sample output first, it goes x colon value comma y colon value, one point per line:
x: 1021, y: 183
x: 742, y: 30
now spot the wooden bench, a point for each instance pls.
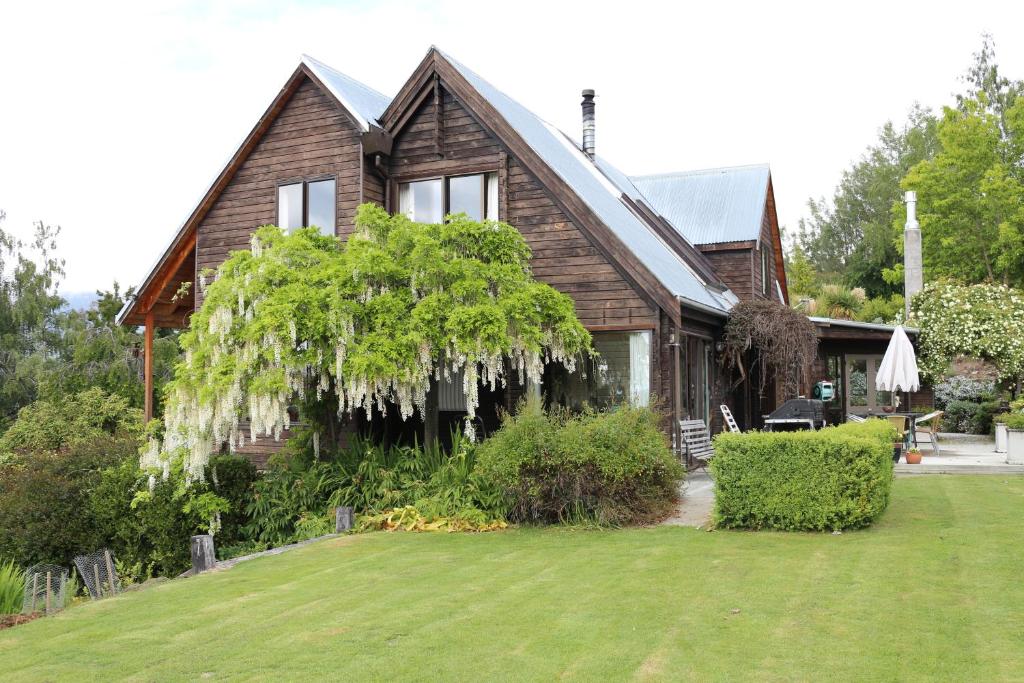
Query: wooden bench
x: 696, y: 439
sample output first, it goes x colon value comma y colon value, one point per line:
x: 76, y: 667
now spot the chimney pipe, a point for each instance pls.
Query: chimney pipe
x: 913, y: 268
x: 588, y: 122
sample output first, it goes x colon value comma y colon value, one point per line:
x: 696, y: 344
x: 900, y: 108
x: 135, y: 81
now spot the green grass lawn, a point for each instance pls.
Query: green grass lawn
x: 935, y: 590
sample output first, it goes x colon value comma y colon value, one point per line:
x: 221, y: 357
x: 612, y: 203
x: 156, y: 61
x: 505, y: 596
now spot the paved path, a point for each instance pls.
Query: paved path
x: 697, y: 498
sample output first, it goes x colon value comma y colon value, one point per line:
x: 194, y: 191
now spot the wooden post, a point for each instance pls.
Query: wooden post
x: 35, y: 591
x: 49, y: 588
x: 203, y: 556
x: 342, y: 519
x: 148, y: 365
x: 431, y: 414
x: 98, y: 593
x: 110, y: 572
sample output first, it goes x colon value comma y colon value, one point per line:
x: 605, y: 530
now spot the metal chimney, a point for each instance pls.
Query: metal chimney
x: 588, y: 122
x: 913, y: 268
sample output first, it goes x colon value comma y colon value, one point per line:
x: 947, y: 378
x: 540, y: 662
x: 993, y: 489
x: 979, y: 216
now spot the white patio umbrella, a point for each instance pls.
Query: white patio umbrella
x: 898, y: 371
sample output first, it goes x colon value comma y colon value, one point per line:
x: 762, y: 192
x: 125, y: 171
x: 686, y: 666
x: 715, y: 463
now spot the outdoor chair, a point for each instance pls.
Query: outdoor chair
x: 929, y: 424
x: 730, y: 421
x: 900, y: 422
x: 696, y: 440
x: 855, y: 418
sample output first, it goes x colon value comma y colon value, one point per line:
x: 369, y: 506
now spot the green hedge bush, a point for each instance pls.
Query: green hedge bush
x: 612, y: 467
x: 968, y: 417
x: 1011, y: 420
x: 835, y: 478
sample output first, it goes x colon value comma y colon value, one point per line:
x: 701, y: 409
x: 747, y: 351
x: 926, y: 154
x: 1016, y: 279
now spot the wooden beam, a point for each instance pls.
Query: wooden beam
x: 169, y: 270
x: 148, y: 365
x: 438, y: 118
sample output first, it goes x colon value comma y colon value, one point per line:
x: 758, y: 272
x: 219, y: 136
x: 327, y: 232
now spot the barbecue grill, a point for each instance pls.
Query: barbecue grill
x: 797, y: 413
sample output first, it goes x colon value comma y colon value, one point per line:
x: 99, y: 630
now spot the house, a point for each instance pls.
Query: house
x: 653, y: 263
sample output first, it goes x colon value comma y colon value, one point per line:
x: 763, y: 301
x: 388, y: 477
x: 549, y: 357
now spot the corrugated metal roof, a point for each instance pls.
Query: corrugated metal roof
x: 363, y: 102
x: 600, y: 194
x: 712, y: 205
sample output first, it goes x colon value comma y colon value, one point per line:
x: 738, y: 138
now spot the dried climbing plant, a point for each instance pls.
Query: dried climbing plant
x: 783, y: 341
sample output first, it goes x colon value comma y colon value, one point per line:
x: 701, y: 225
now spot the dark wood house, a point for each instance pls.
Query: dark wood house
x: 653, y: 263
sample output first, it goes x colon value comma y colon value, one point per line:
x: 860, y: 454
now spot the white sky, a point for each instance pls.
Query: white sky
x: 115, y: 117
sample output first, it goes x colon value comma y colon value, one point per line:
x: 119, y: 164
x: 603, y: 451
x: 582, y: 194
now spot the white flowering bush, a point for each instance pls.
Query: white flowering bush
x: 979, y: 321
x: 961, y: 388
x: 373, y: 321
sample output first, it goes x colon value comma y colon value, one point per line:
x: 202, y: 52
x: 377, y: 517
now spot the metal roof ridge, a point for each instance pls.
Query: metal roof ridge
x: 701, y: 171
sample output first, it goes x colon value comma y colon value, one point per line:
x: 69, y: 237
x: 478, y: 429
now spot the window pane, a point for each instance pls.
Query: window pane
x: 492, y: 196
x: 620, y: 373
x: 289, y: 206
x: 421, y: 201
x: 858, y: 378
x: 321, y: 205
x: 466, y: 195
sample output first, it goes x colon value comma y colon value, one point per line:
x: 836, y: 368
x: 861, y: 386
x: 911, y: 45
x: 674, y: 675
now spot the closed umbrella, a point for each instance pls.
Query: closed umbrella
x: 898, y: 371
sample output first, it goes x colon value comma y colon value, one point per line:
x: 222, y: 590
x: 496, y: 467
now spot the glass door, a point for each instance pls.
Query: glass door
x: 861, y: 396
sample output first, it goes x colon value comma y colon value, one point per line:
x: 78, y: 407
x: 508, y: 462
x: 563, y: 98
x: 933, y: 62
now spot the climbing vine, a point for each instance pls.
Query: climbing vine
x: 783, y: 340
x: 372, y: 321
x: 979, y: 321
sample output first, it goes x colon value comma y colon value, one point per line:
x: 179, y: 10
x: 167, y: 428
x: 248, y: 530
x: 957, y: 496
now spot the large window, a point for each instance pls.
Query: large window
x: 307, y: 203
x: 429, y: 201
x: 620, y: 373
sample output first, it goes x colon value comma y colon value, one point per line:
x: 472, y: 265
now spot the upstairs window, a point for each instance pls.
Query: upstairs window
x: 429, y: 201
x: 307, y: 203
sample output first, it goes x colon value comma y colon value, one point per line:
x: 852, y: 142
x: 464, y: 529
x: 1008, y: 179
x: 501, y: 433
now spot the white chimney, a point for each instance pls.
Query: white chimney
x: 913, y: 268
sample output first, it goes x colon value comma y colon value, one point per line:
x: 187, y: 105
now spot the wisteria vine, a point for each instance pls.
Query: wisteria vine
x: 372, y: 320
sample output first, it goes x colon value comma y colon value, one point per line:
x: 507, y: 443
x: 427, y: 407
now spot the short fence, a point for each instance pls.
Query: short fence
x: 98, y: 573
x: 44, y: 589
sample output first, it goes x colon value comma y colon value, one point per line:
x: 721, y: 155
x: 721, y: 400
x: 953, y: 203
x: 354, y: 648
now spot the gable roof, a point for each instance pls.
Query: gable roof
x: 363, y: 102
x: 602, y: 196
x: 713, y: 205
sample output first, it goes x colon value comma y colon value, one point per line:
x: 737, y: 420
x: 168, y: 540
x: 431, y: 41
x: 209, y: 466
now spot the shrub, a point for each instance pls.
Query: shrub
x: 45, y: 513
x: 836, y: 478
x: 968, y: 417
x: 12, y: 587
x: 149, y: 529
x: 612, y: 467
x: 294, y: 493
x: 1011, y: 420
x: 78, y: 419
x: 961, y: 388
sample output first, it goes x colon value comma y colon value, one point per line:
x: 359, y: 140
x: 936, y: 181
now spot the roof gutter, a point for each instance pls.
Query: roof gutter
x: 703, y: 308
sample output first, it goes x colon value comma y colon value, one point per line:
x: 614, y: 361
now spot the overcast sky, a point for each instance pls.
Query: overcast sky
x: 115, y: 118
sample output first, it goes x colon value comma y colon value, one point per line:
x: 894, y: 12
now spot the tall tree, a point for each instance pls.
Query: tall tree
x: 971, y: 194
x: 849, y: 239
x: 29, y: 313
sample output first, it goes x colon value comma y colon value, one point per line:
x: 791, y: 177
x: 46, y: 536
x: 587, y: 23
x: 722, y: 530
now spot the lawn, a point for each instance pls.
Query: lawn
x: 933, y: 590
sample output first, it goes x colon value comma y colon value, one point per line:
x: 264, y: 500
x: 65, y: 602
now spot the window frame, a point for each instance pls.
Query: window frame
x: 765, y: 271
x: 446, y: 191
x: 305, y: 182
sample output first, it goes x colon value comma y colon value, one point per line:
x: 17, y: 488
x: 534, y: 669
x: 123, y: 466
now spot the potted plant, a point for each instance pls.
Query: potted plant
x: 1014, y: 438
x: 914, y: 456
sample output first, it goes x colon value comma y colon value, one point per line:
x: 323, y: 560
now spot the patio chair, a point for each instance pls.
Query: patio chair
x: 696, y: 440
x: 929, y: 424
x: 855, y: 418
x: 730, y: 421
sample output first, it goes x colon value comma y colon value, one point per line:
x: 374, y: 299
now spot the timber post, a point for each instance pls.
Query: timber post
x: 147, y: 364
x: 343, y: 518
x: 203, y: 556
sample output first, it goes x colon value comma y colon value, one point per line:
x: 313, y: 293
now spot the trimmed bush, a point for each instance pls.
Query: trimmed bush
x: 611, y: 467
x: 968, y: 417
x: 836, y: 478
x: 1011, y: 420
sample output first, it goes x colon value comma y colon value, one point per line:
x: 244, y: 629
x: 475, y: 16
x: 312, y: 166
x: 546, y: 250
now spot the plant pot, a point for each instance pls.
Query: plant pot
x: 1015, y: 446
x: 913, y: 457
x: 1000, y: 437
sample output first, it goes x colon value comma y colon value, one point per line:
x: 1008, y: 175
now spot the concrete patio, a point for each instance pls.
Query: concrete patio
x: 960, y: 454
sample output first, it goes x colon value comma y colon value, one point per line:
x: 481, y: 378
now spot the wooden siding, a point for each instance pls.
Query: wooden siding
x: 311, y: 137
x: 767, y: 245
x: 562, y: 255
x: 735, y: 267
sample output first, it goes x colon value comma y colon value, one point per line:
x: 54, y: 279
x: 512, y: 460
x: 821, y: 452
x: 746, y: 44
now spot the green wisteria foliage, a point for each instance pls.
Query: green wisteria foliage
x: 372, y: 320
x: 980, y: 321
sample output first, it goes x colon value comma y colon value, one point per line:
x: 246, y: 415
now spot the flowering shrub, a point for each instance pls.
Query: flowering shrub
x: 980, y: 321
x: 960, y: 388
